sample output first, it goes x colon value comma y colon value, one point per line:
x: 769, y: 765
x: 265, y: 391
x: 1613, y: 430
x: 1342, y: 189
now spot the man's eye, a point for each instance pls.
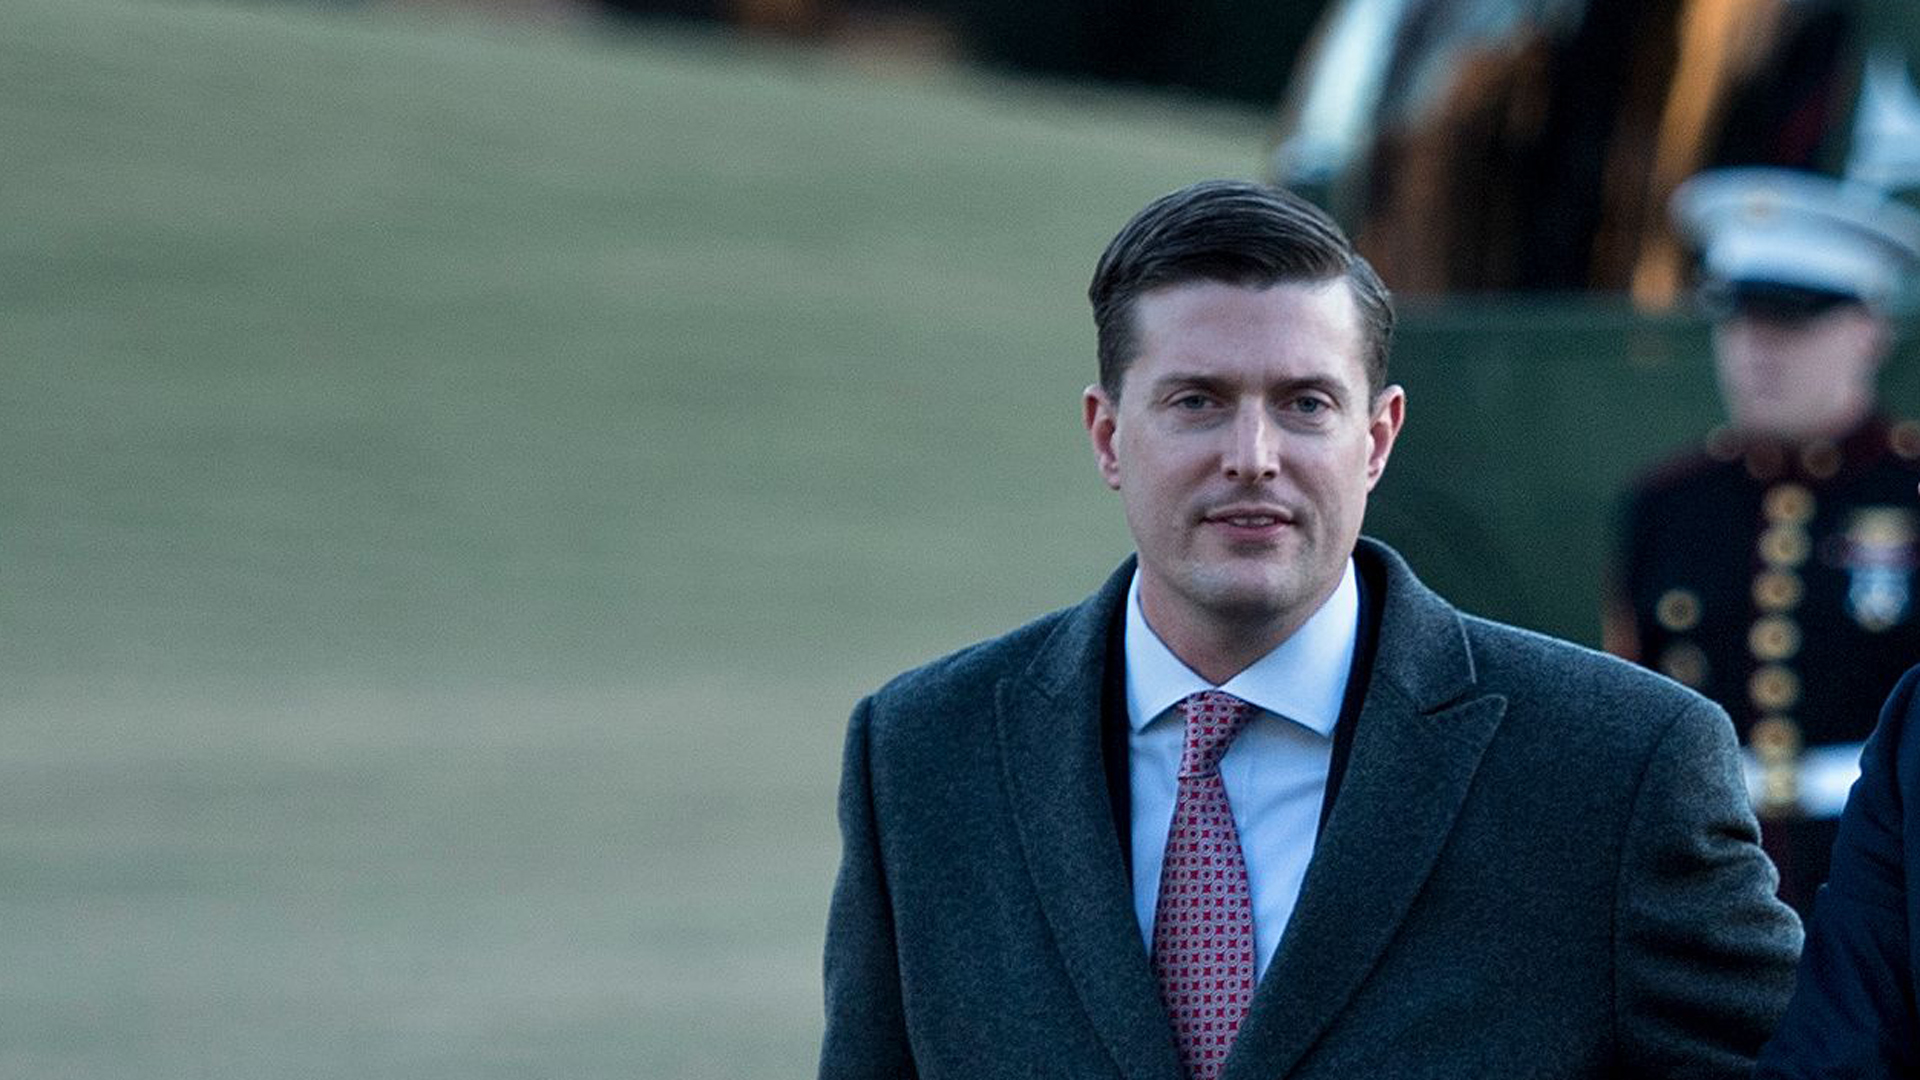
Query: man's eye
x: 1309, y: 405
x: 1191, y: 402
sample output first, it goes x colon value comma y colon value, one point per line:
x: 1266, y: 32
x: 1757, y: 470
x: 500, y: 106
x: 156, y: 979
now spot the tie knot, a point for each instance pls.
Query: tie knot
x: 1213, y: 719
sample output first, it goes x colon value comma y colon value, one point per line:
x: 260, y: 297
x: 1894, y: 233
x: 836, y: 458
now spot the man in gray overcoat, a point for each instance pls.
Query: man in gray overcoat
x: 1264, y: 805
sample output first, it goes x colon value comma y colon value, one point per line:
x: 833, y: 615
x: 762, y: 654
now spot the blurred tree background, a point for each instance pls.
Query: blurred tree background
x: 1239, y: 50
x: 1229, y: 50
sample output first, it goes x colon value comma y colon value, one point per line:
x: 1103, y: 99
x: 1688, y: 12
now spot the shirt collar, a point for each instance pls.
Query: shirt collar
x: 1304, y: 678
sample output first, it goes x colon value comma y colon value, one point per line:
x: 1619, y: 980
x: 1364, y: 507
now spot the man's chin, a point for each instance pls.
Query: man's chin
x: 1250, y: 599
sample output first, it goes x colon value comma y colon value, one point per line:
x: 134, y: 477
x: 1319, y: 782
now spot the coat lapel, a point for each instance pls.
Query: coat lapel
x: 1049, y: 727
x: 1421, y: 734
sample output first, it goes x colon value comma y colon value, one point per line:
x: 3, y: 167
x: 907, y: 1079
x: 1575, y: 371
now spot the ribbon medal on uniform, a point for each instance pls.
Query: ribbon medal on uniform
x: 1878, y: 554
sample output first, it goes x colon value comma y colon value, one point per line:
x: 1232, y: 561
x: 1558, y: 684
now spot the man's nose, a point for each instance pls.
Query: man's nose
x: 1253, y: 447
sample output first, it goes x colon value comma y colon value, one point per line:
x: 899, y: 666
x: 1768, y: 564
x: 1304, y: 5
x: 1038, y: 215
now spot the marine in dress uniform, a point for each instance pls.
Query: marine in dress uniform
x: 1772, y: 568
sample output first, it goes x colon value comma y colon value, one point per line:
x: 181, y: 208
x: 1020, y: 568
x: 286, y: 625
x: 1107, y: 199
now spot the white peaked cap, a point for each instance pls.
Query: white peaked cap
x: 1785, y: 227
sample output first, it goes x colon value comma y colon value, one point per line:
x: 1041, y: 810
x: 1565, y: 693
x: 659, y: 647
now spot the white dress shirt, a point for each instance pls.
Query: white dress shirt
x: 1276, y: 770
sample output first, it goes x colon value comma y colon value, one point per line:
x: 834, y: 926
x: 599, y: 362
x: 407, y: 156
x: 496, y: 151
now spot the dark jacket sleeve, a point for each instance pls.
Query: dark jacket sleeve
x: 866, y: 1031
x: 1853, y: 1011
x: 1704, y: 953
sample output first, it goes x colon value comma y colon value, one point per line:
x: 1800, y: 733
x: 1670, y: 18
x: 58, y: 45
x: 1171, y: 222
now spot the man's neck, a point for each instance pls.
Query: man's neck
x: 1832, y: 428
x: 1220, y: 645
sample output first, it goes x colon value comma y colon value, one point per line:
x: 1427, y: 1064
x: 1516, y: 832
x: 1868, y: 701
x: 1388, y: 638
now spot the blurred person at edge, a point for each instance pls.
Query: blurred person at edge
x: 1771, y: 568
x: 1853, y: 1013
x: 1265, y: 805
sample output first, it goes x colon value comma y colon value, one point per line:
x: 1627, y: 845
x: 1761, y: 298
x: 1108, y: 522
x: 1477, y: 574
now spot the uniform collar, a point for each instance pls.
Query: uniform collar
x: 1769, y: 458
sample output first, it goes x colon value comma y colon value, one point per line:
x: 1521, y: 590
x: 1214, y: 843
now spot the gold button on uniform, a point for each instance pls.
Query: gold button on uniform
x: 1774, y: 688
x: 1774, y: 737
x: 1905, y: 439
x: 1784, y: 545
x: 1776, y: 742
x: 1678, y: 610
x: 1685, y: 663
x: 1776, y: 590
x: 1773, y: 638
x: 1788, y: 504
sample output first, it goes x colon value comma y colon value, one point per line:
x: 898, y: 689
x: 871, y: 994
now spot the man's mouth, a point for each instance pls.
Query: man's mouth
x: 1248, y: 517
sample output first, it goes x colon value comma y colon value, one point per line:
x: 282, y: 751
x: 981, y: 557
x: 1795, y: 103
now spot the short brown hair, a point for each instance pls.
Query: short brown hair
x: 1237, y: 233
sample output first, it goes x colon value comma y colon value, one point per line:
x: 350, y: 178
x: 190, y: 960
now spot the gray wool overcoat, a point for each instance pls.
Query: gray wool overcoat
x: 1540, y: 863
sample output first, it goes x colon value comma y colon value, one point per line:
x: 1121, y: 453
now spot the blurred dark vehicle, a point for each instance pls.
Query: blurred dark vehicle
x: 1488, y: 145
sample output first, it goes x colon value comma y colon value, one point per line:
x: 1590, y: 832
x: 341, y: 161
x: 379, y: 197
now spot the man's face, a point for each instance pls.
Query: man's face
x: 1243, y: 445
x: 1799, y: 378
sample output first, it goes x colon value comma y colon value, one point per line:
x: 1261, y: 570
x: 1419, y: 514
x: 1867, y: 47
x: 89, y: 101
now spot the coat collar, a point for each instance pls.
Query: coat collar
x: 1050, y: 749
x: 1423, y: 728
x: 1421, y: 734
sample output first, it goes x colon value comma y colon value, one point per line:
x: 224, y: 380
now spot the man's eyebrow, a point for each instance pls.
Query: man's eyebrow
x: 1326, y: 384
x: 1180, y: 380
x: 1222, y: 387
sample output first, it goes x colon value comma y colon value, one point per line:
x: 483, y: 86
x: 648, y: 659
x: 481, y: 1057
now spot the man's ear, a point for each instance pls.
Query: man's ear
x: 1389, y: 411
x: 1100, y: 413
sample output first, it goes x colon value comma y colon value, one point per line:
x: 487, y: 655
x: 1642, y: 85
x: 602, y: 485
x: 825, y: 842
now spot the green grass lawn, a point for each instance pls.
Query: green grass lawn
x: 456, y: 482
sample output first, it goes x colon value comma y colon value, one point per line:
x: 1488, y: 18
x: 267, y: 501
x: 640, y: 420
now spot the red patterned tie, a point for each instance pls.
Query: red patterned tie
x: 1203, y: 923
